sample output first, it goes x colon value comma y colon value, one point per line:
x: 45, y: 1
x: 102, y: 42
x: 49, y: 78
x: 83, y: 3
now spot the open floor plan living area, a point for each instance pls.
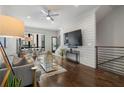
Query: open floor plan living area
x: 61, y: 46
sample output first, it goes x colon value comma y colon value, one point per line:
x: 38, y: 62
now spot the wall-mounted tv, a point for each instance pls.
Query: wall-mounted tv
x: 73, y: 39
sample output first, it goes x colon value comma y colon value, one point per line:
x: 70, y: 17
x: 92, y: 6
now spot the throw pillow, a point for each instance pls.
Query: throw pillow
x: 19, y: 61
x: 29, y: 59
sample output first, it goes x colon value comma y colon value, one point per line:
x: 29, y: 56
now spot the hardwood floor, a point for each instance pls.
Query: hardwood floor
x: 78, y: 75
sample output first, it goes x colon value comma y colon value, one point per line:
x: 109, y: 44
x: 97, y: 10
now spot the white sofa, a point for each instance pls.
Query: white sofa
x: 23, y: 72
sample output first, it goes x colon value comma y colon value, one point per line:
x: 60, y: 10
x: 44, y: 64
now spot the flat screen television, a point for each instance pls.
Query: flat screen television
x: 73, y: 39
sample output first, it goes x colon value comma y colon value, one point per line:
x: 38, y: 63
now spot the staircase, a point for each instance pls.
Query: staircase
x: 110, y: 59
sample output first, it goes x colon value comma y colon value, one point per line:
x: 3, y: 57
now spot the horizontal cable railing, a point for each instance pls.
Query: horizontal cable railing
x: 110, y: 58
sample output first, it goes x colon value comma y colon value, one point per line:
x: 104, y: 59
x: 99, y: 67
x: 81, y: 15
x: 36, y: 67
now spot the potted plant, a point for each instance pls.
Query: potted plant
x: 13, y: 82
x: 62, y: 53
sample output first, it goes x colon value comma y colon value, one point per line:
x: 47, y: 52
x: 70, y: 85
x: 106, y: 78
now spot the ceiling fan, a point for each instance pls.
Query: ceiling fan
x: 49, y: 14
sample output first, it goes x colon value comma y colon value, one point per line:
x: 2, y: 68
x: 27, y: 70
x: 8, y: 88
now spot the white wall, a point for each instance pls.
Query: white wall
x: 0, y: 10
x: 87, y: 24
x: 110, y: 30
x: 10, y: 46
x: 41, y: 31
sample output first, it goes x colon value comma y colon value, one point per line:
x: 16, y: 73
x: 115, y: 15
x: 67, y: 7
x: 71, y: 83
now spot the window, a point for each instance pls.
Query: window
x: 3, y: 41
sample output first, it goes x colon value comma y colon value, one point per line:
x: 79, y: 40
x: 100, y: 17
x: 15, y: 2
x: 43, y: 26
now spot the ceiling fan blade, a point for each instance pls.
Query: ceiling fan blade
x: 54, y: 14
x: 44, y: 12
x: 51, y: 18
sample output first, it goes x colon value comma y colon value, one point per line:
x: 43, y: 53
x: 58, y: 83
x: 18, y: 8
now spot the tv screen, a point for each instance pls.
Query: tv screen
x: 73, y: 39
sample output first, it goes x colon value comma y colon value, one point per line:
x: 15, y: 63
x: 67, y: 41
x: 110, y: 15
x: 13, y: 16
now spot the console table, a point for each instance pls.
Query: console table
x: 73, y: 55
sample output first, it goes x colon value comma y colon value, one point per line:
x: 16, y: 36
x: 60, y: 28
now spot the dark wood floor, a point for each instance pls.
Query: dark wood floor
x: 78, y: 75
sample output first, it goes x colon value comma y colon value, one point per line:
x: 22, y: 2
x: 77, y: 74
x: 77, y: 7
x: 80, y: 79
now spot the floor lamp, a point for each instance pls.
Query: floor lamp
x: 12, y: 28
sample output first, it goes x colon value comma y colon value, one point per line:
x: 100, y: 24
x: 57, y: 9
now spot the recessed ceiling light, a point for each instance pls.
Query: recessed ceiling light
x: 28, y: 17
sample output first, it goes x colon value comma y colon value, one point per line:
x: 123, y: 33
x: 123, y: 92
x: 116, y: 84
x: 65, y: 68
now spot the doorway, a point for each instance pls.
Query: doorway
x: 54, y: 44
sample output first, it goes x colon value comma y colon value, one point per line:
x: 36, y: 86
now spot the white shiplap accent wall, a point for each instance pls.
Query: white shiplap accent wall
x: 87, y: 24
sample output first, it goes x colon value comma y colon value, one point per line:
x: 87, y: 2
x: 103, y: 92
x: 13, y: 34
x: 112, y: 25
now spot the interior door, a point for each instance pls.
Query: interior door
x: 54, y: 44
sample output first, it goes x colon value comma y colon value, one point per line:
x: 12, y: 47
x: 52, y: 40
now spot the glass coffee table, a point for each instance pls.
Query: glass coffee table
x: 47, y: 65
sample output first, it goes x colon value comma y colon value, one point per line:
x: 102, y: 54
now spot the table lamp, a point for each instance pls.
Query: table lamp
x: 13, y: 28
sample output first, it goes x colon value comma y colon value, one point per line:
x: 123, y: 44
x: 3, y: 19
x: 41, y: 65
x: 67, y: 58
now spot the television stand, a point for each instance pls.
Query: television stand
x: 73, y: 56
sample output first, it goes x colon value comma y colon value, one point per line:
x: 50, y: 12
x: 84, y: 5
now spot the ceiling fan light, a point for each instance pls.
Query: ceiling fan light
x: 48, y: 18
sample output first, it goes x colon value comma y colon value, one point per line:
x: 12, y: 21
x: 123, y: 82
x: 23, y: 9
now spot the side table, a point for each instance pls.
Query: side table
x: 34, y: 75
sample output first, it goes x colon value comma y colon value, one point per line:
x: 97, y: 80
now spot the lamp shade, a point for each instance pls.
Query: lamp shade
x: 11, y: 27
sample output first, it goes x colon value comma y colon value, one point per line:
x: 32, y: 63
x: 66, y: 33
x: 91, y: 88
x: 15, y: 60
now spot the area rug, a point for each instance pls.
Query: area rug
x: 48, y: 74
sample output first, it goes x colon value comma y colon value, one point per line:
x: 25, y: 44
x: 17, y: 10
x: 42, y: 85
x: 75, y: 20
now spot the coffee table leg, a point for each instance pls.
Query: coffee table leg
x: 34, y: 78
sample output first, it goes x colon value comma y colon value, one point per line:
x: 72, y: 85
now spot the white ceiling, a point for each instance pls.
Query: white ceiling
x: 103, y: 10
x: 67, y: 12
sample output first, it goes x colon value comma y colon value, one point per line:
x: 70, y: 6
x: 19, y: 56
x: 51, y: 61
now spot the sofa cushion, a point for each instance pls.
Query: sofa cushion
x: 29, y: 59
x: 19, y: 61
